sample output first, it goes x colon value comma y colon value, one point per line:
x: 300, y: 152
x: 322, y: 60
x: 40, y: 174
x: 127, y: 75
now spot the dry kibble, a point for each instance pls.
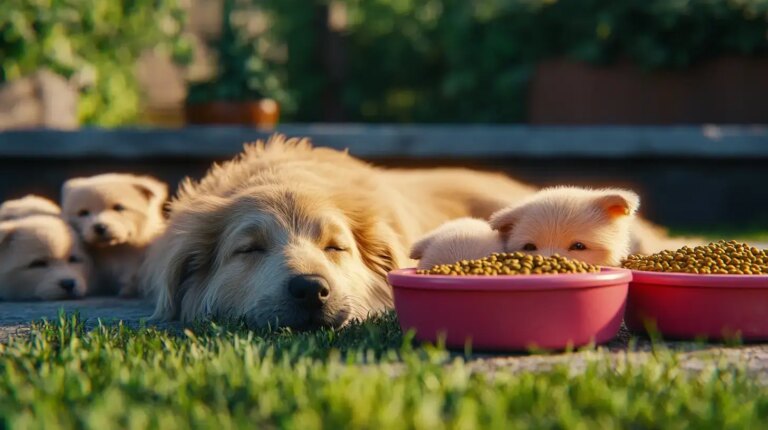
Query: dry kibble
x: 515, y: 263
x: 718, y: 258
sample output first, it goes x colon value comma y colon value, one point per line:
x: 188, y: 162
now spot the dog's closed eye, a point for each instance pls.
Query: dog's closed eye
x: 118, y: 208
x: 335, y: 248
x: 38, y: 264
x: 83, y: 212
x: 250, y: 249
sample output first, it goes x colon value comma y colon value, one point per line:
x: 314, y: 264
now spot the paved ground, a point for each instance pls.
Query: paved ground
x: 15, y: 319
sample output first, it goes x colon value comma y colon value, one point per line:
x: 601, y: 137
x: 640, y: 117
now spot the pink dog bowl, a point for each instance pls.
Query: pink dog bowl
x: 685, y: 306
x: 512, y: 312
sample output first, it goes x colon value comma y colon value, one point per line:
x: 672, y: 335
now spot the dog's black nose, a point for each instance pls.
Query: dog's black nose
x: 100, y: 229
x: 311, y: 291
x: 68, y: 284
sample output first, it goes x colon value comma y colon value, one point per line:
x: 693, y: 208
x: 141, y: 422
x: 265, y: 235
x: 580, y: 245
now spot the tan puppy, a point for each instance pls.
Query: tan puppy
x: 26, y: 206
x: 117, y: 216
x: 459, y: 239
x: 41, y: 259
x: 296, y: 236
x: 584, y: 224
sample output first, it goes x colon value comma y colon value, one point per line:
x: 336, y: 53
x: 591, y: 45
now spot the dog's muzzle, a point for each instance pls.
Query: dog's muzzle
x: 311, y: 292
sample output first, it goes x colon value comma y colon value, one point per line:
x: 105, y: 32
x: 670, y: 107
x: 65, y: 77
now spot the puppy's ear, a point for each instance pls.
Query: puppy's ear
x: 505, y: 219
x: 151, y: 188
x: 6, y: 233
x: 618, y: 203
x: 70, y: 185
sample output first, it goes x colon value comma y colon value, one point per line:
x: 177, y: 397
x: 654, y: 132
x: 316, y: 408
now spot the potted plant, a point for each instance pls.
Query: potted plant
x: 235, y: 96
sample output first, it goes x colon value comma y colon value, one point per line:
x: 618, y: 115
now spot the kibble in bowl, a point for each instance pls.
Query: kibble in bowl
x: 493, y: 310
x: 715, y: 291
x: 515, y: 263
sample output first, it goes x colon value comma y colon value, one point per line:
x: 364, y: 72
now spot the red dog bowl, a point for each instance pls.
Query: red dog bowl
x: 512, y: 312
x: 686, y: 306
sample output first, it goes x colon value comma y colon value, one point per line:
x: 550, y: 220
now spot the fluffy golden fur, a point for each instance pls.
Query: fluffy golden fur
x: 41, y: 259
x: 26, y: 206
x: 291, y: 235
x: 459, y: 239
x: 117, y: 216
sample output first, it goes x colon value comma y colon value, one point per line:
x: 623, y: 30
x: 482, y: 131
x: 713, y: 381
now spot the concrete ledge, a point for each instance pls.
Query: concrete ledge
x: 403, y: 141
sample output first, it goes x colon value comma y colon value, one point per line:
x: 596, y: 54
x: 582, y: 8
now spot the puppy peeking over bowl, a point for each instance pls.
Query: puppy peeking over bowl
x: 41, y: 259
x: 117, y: 216
x: 594, y: 226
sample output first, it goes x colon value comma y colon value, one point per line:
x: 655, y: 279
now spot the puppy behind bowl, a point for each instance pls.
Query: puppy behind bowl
x: 41, y: 259
x: 584, y: 224
x: 26, y: 206
x: 459, y: 239
x: 117, y: 216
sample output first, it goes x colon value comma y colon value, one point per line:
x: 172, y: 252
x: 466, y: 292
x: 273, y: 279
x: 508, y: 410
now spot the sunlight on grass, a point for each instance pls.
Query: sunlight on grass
x: 367, y: 376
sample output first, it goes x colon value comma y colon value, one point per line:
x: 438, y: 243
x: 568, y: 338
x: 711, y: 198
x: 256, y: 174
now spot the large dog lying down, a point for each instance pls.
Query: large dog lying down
x: 294, y: 236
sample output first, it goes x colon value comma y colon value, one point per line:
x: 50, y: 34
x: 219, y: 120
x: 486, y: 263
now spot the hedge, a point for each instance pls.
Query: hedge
x: 471, y: 61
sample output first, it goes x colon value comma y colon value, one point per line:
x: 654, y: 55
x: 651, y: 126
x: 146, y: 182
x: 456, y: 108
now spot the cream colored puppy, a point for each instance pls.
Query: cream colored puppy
x: 41, y: 259
x: 459, y: 239
x: 117, y: 216
x: 26, y: 206
x: 588, y: 225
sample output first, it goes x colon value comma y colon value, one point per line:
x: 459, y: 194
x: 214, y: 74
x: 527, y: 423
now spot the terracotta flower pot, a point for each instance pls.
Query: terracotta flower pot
x: 260, y: 113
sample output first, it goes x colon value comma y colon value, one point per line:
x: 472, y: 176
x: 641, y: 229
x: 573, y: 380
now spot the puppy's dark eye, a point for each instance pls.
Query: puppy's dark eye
x: 38, y: 264
x: 335, y: 248
x: 250, y: 249
x: 118, y: 207
x: 529, y: 247
x: 577, y: 246
x: 75, y: 259
x: 83, y: 212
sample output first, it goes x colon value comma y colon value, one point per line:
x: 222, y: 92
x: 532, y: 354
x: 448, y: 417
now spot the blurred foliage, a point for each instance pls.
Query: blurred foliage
x: 95, y: 43
x: 470, y: 61
x: 244, y: 70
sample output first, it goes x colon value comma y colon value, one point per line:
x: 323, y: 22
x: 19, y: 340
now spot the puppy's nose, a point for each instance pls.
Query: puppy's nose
x: 100, y: 229
x: 311, y: 291
x: 68, y: 284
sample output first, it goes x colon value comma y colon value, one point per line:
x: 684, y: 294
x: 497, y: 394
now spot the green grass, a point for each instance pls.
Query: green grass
x: 367, y: 376
x: 746, y: 233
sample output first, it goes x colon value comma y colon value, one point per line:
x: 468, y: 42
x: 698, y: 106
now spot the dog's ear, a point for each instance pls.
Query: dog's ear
x: 151, y: 188
x: 618, y: 203
x: 505, y: 219
x: 177, y: 263
x: 376, y: 245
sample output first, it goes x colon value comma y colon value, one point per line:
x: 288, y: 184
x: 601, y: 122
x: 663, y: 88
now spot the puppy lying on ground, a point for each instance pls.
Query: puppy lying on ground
x: 41, y: 259
x: 26, y: 206
x: 296, y: 236
x: 117, y: 216
x: 460, y: 239
x: 588, y: 225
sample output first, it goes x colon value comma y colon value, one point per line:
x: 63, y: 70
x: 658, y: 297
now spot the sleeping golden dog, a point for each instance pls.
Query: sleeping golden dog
x: 291, y: 235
